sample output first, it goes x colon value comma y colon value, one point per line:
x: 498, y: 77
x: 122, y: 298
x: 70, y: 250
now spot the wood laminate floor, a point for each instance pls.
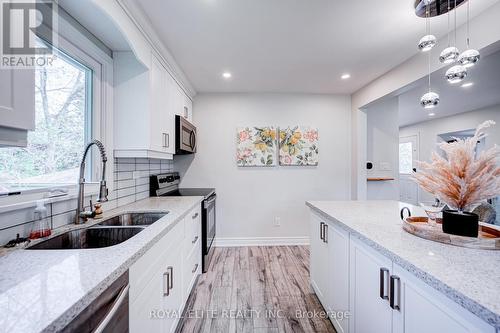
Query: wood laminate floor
x: 255, y: 289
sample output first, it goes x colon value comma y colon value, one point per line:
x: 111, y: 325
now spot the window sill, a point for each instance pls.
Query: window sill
x: 27, y: 199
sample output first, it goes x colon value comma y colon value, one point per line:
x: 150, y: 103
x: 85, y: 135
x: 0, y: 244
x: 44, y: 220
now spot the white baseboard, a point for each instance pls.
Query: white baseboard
x: 260, y: 241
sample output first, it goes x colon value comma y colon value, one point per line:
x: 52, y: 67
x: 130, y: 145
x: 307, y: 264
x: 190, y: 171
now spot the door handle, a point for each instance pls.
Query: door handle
x: 395, y: 296
x: 166, y: 274
x: 383, y: 284
x: 195, y: 268
x: 194, y: 240
x: 325, y: 233
x: 321, y: 230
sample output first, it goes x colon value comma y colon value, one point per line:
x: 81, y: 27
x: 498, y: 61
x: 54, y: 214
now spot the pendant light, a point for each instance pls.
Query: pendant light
x: 430, y: 99
x: 469, y: 57
x: 451, y: 53
x: 427, y: 42
x: 456, y: 74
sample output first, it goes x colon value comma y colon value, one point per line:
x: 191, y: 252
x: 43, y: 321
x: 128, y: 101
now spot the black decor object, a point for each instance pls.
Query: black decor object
x: 402, y: 212
x: 460, y: 223
x: 369, y: 165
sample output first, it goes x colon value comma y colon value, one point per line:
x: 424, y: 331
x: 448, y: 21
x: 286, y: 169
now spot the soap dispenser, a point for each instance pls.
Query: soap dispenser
x: 41, y: 224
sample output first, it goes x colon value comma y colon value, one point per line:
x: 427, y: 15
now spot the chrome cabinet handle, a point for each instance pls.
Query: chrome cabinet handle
x: 383, y: 273
x: 167, y: 274
x: 395, y: 296
x: 195, y: 268
x: 321, y: 230
x: 171, y: 275
x: 119, y: 301
x: 194, y: 240
x: 167, y: 136
x: 194, y: 216
x: 325, y: 233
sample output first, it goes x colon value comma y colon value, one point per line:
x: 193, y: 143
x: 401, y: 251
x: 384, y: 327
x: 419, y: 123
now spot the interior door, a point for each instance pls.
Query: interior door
x: 408, y: 155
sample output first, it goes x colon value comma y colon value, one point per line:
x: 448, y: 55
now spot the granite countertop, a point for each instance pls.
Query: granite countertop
x: 469, y: 277
x: 43, y: 290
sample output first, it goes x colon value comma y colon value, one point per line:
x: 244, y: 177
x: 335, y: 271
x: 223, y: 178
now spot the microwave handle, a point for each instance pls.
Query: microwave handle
x: 192, y: 139
x: 114, y: 309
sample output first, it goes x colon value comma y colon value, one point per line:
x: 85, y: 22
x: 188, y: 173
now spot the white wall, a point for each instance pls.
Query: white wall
x: 250, y: 198
x: 382, y: 148
x: 429, y: 130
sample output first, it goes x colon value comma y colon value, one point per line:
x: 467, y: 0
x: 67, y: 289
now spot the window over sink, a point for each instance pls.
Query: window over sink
x: 63, y: 118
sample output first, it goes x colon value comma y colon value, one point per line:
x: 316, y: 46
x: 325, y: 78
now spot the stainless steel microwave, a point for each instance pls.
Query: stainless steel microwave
x: 185, y: 136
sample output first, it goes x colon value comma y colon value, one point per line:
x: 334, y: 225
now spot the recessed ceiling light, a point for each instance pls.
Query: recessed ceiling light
x: 431, y: 114
x: 227, y: 75
x: 468, y: 84
x: 345, y: 76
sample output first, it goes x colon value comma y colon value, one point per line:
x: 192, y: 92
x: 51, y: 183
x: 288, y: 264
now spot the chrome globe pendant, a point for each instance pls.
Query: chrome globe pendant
x: 456, y: 74
x: 469, y: 57
x: 451, y: 53
x: 429, y: 100
x: 427, y: 42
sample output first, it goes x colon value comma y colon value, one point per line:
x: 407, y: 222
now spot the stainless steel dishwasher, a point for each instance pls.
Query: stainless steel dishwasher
x: 107, y: 313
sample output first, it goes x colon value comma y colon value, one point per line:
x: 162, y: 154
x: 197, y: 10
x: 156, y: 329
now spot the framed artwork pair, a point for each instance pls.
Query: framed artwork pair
x: 265, y: 146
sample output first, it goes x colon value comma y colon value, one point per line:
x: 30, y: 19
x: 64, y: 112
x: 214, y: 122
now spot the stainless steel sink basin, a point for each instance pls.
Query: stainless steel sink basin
x: 133, y: 219
x: 89, y: 238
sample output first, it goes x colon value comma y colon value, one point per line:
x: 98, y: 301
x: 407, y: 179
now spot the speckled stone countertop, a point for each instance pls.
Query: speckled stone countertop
x: 469, y: 277
x: 43, y: 290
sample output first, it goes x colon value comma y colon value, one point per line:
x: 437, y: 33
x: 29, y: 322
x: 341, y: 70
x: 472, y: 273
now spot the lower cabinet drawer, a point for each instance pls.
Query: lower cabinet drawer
x: 192, y: 223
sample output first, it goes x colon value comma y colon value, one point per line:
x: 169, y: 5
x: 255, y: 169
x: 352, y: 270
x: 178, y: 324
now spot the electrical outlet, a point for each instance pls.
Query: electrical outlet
x: 277, y: 221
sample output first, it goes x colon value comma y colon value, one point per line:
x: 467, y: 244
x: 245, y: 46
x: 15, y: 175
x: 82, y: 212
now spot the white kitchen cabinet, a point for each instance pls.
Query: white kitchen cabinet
x: 338, y: 273
x: 319, y: 257
x: 144, y: 118
x: 369, y: 290
x: 162, y: 279
x: 17, y: 106
x: 418, y: 308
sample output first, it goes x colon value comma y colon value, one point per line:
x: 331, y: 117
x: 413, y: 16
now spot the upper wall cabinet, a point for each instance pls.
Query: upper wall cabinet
x: 144, y: 119
x: 17, y: 105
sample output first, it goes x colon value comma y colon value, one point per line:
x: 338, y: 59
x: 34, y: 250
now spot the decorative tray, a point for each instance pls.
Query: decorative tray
x: 488, y: 238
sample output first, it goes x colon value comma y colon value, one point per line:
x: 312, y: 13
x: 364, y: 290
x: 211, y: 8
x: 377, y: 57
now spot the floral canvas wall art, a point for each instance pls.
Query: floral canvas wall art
x: 256, y: 146
x: 298, y: 146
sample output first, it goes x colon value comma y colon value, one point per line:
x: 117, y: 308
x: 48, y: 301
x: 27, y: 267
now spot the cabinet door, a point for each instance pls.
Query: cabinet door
x: 319, y: 258
x: 172, y: 290
x: 338, y: 281
x: 188, y: 108
x: 369, y: 311
x: 146, y: 310
x: 158, y: 106
x: 423, y: 309
x: 169, y: 126
x: 17, y: 98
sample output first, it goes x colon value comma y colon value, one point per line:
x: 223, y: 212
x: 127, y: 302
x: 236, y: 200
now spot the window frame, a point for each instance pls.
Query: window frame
x: 74, y: 43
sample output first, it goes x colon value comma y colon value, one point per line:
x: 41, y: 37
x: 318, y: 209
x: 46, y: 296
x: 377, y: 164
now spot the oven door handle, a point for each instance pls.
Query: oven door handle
x: 207, y: 203
x: 114, y: 309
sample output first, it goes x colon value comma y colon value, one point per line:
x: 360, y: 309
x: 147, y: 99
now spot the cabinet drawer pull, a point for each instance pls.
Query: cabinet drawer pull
x: 195, y: 268
x: 325, y: 233
x: 168, y: 140
x: 194, y: 240
x: 194, y: 216
x: 164, y: 140
x: 170, y: 271
x: 321, y: 230
x: 166, y: 293
x: 383, y: 284
x: 395, y: 293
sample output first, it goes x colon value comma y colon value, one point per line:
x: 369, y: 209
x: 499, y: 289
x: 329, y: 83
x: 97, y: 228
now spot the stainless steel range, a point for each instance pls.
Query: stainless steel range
x: 167, y: 184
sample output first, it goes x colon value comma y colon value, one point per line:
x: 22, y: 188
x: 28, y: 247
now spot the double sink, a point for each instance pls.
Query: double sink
x: 109, y: 232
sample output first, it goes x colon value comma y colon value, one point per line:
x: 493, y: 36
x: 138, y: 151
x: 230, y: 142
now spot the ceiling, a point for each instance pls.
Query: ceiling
x: 453, y: 98
x: 290, y: 45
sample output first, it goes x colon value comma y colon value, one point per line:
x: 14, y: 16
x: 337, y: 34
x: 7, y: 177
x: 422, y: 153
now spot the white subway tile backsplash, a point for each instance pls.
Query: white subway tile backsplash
x: 120, y: 193
x: 123, y: 175
x: 141, y: 195
x: 142, y: 181
x: 125, y: 183
x: 142, y: 188
x: 63, y: 219
x: 124, y: 167
x: 142, y: 166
